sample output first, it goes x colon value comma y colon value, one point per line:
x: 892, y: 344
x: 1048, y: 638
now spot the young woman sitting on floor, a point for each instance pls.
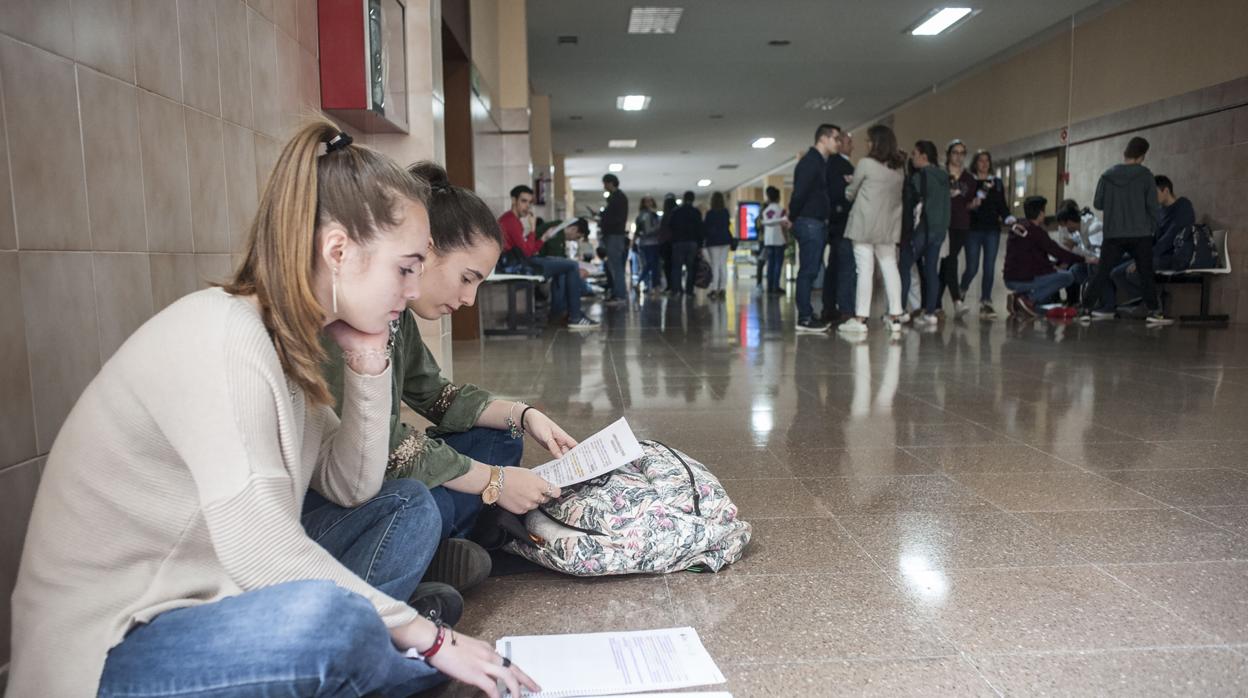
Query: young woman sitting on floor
x: 167, y: 553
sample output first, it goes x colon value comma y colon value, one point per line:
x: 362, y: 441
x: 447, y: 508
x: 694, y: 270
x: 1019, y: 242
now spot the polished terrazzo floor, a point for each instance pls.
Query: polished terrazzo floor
x: 993, y: 508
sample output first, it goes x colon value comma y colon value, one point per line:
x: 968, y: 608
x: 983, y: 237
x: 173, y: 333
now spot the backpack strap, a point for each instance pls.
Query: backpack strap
x: 693, y: 483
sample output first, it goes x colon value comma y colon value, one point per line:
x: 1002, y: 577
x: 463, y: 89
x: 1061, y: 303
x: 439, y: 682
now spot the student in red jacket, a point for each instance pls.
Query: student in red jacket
x: 1029, y: 268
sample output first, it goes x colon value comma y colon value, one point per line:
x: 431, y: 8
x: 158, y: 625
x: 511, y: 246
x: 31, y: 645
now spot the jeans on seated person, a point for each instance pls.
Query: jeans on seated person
x: 307, y: 637
x: 1042, y: 289
x: 490, y: 446
x: 565, y: 287
x: 1127, y: 283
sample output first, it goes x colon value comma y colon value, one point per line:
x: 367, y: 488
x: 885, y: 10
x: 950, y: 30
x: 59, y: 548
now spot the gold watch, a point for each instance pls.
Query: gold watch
x: 493, y: 490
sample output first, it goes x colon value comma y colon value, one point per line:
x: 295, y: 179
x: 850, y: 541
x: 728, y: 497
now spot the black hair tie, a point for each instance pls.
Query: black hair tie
x: 440, y: 187
x: 338, y: 142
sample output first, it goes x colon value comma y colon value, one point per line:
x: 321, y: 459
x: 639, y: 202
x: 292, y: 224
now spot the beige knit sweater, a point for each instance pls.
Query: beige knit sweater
x: 177, y: 480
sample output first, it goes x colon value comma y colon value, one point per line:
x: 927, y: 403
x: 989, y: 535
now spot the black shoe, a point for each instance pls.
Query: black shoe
x: 459, y: 563
x: 437, y: 601
x: 812, y: 325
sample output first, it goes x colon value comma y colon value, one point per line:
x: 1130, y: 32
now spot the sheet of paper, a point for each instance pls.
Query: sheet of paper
x: 605, y: 664
x: 595, y: 456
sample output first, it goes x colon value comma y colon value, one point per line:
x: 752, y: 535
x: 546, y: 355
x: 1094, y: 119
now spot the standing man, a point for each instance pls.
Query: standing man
x: 809, y: 209
x: 564, y: 274
x: 612, y: 224
x: 688, y: 236
x: 1127, y: 194
x: 842, y: 274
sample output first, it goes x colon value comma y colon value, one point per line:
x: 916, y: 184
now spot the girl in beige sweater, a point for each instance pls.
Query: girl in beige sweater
x: 166, y: 552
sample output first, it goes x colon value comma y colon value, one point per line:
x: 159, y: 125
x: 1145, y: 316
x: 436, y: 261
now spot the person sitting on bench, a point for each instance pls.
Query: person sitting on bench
x: 1176, y: 215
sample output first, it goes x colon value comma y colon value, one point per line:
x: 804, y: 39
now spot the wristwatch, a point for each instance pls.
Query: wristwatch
x: 493, y: 490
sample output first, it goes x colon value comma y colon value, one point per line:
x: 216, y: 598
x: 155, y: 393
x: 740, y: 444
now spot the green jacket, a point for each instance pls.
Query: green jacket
x: 418, y: 382
x: 937, y: 205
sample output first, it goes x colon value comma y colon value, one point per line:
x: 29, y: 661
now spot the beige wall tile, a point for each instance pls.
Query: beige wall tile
x: 305, y: 17
x: 62, y: 337
x: 17, y: 411
x: 262, y: 39
x: 310, y: 81
x: 213, y: 269
x: 201, y: 79
x: 104, y: 37
x: 285, y: 16
x: 173, y: 276
x: 44, y: 23
x: 209, y: 214
x: 289, y: 84
x: 110, y: 137
x: 156, y: 54
x: 8, y: 232
x: 43, y: 130
x: 123, y: 288
x: 264, y: 7
x: 162, y: 130
x: 240, y: 182
x: 18, y: 486
x: 267, y: 151
x: 235, y: 61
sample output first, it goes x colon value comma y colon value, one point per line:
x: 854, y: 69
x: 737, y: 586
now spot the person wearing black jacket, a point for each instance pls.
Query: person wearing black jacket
x: 687, y: 238
x: 809, y: 209
x: 612, y: 224
x: 841, y: 274
x: 984, y: 236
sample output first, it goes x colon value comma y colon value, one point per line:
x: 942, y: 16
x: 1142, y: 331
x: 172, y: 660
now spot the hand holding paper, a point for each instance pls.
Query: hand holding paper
x: 595, y: 456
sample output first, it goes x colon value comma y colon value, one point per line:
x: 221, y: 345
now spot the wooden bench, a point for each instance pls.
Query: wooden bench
x: 1204, y: 277
x: 520, y: 321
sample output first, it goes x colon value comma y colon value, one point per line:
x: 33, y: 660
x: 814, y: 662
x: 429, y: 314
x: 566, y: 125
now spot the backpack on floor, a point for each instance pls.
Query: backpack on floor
x: 702, y: 273
x: 664, y: 512
x: 1194, y: 248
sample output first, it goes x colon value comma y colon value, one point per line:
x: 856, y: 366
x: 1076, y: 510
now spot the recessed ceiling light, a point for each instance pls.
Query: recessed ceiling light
x: 654, y: 20
x: 762, y: 142
x: 940, y: 21
x: 622, y: 143
x: 568, y: 39
x: 824, y: 103
x: 632, y: 102
x: 704, y: 182
x: 615, y: 167
x: 729, y: 166
x: 779, y: 42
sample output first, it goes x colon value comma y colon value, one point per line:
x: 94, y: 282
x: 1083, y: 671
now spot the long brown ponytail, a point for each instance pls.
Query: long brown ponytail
x: 357, y: 188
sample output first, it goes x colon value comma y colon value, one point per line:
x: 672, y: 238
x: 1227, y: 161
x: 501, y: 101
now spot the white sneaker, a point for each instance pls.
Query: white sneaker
x: 584, y: 324
x: 1156, y: 319
x: 926, y: 320
x: 892, y: 324
x: 904, y: 318
x: 960, y: 309
x: 852, y: 326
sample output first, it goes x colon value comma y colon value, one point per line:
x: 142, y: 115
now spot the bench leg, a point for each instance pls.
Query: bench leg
x: 1205, y: 317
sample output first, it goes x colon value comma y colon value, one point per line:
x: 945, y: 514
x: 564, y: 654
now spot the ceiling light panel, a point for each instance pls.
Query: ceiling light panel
x: 654, y: 20
x: 622, y: 143
x: 824, y: 103
x: 615, y: 167
x: 704, y: 182
x: 941, y: 21
x: 632, y: 102
x: 763, y: 142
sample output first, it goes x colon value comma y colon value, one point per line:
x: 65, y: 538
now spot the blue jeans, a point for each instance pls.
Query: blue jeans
x: 812, y: 236
x: 565, y: 285
x: 650, y: 271
x: 988, y: 242
x: 924, y: 251
x: 840, y: 278
x: 1126, y: 281
x: 775, y: 265
x: 490, y: 446
x: 617, y: 256
x: 302, y: 638
x: 1042, y: 288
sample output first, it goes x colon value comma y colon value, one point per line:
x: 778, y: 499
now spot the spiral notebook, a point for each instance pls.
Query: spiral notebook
x: 615, y: 663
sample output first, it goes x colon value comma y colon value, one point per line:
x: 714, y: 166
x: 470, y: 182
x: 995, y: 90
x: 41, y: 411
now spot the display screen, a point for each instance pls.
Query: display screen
x: 747, y: 213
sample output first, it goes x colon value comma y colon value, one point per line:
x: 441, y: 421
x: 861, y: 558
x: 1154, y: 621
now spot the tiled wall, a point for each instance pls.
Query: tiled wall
x: 135, y: 137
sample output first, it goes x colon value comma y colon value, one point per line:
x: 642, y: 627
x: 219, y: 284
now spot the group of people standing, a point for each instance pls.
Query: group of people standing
x: 671, y: 240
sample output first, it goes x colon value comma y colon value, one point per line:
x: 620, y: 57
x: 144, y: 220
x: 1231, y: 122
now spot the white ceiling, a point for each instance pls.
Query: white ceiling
x: 718, y: 62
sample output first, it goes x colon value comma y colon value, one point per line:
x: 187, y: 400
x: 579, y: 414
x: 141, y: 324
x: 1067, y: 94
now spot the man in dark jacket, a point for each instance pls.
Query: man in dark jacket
x: 1127, y: 194
x: 612, y: 224
x: 841, y: 275
x: 687, y: 239
x: 1029, y: 271
x: 1175, y: 216
x: 809, y: 209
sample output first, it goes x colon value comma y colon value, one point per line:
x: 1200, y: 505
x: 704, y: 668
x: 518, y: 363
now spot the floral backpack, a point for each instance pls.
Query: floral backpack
x: 664, y: 512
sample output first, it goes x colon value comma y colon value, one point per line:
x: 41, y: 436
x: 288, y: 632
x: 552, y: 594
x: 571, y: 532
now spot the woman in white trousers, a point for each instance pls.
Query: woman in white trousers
x: 875, y: 226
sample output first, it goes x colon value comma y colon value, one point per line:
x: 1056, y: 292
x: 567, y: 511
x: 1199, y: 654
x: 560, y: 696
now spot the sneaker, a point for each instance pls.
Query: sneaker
x: 987, y: 312
x: 926, y: 320
x: 1011, y: 305
x: 614, y: 302
x: 1098, y: 315
x: 1025, y: 307
x: 437, y: 601
x: 852, y: 326
x: 459, y: 563
x: 584, y: 324
x: 892, y: 324
x: 904, y: 318
x: 812, y: 325
x: 960, y: 309
x: 1157, y: 319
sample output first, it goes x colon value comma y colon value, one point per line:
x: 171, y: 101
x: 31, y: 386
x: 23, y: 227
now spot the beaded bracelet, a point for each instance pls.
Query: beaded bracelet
x: 516, y: 429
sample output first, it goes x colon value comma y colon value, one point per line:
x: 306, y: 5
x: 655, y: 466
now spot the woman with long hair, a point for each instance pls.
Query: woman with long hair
x: 962, y: 188
x: 984, y: 238
x: 875, y: 226
x: 647, y: 240
x: 718, y: 244
x: 166, y: 552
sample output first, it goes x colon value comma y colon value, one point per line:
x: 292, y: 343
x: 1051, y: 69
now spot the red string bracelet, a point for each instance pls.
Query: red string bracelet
x: 437, y: 644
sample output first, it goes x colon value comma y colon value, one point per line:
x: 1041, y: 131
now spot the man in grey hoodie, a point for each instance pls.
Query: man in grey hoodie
x: 1127, y: 195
